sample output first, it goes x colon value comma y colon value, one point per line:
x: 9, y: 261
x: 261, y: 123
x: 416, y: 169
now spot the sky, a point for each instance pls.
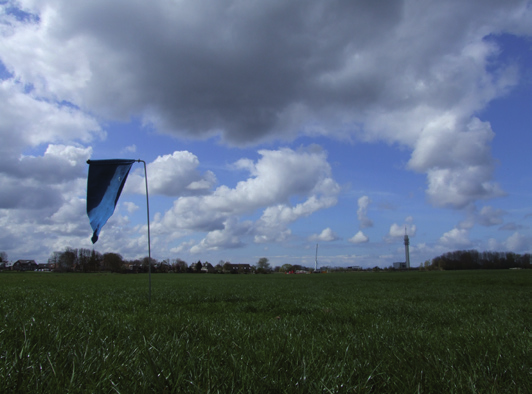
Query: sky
x: 269, y: 127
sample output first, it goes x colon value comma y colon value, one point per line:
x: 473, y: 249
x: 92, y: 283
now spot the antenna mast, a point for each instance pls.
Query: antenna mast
x: 316, y: 261
x: 407, y: 252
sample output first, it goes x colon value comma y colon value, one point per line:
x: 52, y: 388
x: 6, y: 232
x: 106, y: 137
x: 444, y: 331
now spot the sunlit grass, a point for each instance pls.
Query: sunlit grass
x: 357, y: 332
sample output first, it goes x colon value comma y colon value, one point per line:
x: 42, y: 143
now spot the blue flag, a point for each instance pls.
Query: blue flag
x: 104, y: 185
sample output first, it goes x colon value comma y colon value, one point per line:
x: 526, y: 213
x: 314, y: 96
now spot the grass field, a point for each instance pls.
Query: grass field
x: 430, y: 332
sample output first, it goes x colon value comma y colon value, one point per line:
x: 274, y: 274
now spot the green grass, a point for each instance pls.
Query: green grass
x: 359, y: 332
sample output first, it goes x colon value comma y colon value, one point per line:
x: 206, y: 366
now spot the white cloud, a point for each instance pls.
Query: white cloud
x: 415, y: 77
x: 362, y: 212
x: 277, y: 179
x: 519, y: 243
x: 456, y: 238
x: 33, y: 182
x: 398, y: 231
x: 28, y: 121
x: 272, y: 225
x: 227, y: 238
x: 326, y: 235
x: 130, y: 148
x: 420, y: 86
x: 359, y: 238
x: 172, y: 175
x: 457, y: 160
x: 130, y: 207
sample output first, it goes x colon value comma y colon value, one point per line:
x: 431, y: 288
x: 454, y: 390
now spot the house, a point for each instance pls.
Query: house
x: 133, y: 267
x: 24, y: 265
x: 208, y: 268
x: 399, y: 266
x: 240, y: 268
x: 196, y: 267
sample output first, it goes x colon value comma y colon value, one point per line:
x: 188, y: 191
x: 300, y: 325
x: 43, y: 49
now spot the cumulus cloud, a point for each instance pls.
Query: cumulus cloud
x: 519, y: 243
x: 326, y: 235
x: 362, y: 212
x: 458, y: 162
x: 172, y: 175
x: 49, y: 214
x: 33, y: 181
x: 456, y: 238
x: 398, y: 231
x: 227, y: 238
x: 16, y: 194
x: 276, y: 179
x: 411, y: 76
x: 130, y: 148
x: 130, y: 207
x: 41, y: 188
x: 275, y: 70
x: 26, y: 120
x: 359, y: 238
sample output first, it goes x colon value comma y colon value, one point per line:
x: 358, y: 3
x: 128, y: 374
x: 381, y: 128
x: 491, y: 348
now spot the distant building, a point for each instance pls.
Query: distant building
x: 399, y: 266
x: 237, y: 268
x: 196, y: 267
x: 208, y: 268
x: 24, y: 265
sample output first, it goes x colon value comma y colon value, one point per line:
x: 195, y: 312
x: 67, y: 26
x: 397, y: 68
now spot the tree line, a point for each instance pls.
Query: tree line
x: 473, y: 259
x: 87, y: 260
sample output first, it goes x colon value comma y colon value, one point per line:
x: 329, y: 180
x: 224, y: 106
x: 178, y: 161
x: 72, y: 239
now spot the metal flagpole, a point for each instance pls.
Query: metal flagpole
x: 148, y: 216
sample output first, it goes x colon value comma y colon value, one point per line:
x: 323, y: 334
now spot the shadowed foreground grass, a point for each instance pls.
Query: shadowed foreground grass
x: 334, y: 333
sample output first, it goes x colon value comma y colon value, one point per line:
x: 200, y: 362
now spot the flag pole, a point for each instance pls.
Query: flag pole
x: 148, y: 218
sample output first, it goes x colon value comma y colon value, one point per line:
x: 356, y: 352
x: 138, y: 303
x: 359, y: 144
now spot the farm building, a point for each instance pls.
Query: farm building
x: 237, y: 268
x: 24, y: 265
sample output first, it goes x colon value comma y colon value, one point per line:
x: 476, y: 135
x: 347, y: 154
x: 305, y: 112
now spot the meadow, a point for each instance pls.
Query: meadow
x: 379, y: 332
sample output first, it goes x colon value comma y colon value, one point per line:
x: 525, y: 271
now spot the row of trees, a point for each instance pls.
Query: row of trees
x: 473, y: 259
x: 87, y: 260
